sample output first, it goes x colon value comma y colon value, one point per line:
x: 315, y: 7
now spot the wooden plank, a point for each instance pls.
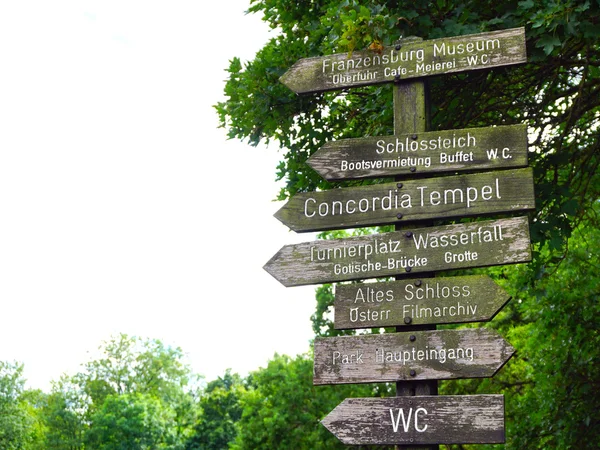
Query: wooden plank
x: 417, y: 355
x: 447, y: 419
x: 473, y: 298
x: 418, y: 153
x: 423, y: 199
x: 411, y: 115
x: 412, y: 59
x: 459, y: 246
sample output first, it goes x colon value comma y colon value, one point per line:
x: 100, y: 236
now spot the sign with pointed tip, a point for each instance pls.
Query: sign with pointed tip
x: 458, y: 246
x: 418, y: 355
x: 427, y: 301
x: 445, y: 419
x: 413, y: 200
x: 411, y: 59
x: 423, y: 153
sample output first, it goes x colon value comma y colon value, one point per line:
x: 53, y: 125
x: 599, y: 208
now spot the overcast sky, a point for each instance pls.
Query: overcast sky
x: 123, y: 208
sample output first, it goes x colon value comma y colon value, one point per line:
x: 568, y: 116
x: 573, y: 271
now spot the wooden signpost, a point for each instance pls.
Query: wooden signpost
x: 465, y: 245
x: 418, y: 153
x: 473, y: 298
x: 447, y: 419
x: 409, y: 60
x: 415, y: 358
x: 419, y: 355
x: 423, y: 199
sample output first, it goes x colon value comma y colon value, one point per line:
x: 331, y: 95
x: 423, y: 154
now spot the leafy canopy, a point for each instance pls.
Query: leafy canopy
x: 550, y: 384
x: 556, y: 93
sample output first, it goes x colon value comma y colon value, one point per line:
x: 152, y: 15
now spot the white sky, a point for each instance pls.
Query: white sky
x: 122, y: 207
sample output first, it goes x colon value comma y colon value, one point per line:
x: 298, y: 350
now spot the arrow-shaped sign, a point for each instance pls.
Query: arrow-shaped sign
x: 411, y: 59
x: 422, y: 199
x: 446, y: 419
x: 422, y: 355
x: 459, y: 246
x: 428, y: 152
x: 419, y: 301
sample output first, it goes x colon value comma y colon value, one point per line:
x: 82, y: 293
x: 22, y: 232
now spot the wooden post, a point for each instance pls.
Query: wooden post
x: 411, y: 115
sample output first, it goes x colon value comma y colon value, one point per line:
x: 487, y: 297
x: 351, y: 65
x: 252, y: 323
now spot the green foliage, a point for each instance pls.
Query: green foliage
x: 282, y: 408
x: 563, y: 348
x: 17, y: 424
x: 138, y: 394
x: 220, y: 411
x: 145, y: 372
x: 31, y: 402
x: 550, y: 385
x: 132, y: 421
x: 361, y: 26
x: 556, y: 93
x: 62, y: 415
x: 131, y: 364
x: 552, y: 321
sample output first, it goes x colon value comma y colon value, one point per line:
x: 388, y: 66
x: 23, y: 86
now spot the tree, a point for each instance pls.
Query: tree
x: 137, y: 394
x: 282, y: 409
x: 17, y: 425
x: 563, y: 348
x: 132, y: 421
x: 220, y: 411
x: 550, y: 384
x: 556, y: 94
x: 131, y: 365
x: 62, y: 415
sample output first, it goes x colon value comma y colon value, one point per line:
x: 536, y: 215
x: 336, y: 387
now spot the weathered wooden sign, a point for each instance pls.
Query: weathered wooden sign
x: 475, y: 244
x: 473, y: 298
x: 422, y: 355
x: 428, y: 152
x: 447, y: 419
x: 411, y: 59
x: 422, y: 199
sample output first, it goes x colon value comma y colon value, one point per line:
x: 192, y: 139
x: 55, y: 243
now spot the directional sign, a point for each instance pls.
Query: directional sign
x: 429, y: 152
x: 423, y: 355
x: 446, y: 419
x: 459, y: 246
x: 408, y: 60
x: 424, y: 301
x: 422, y: 199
